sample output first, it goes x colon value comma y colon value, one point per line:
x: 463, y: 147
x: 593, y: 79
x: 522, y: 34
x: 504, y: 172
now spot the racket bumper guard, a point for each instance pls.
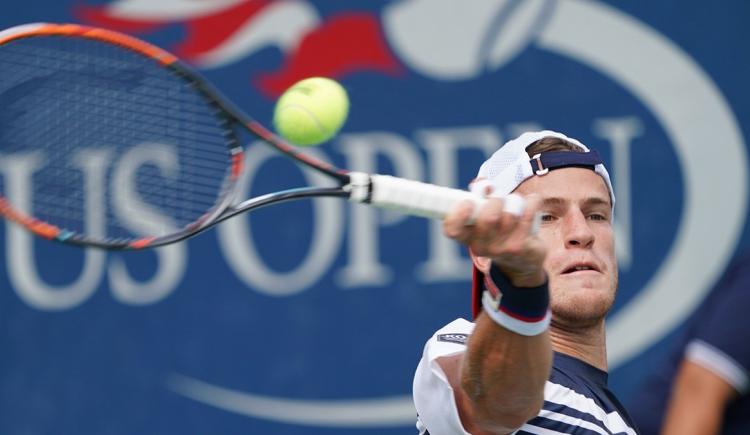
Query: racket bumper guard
x: 359, y: 187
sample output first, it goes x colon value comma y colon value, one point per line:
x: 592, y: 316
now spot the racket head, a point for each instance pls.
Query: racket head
x: 108, y: 141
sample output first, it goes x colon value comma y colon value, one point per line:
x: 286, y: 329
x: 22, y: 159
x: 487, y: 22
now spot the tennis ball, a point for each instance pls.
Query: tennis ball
x: 311, y: 111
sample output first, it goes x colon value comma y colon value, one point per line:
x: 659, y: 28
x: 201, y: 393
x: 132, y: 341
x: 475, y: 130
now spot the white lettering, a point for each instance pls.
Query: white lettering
x: 367, y: 152
x: 19, y: 248
x: 443, y: 145
x: 362, y: 150
x: 240, y: 253
x: 143, y: 218
x: 620, y: 132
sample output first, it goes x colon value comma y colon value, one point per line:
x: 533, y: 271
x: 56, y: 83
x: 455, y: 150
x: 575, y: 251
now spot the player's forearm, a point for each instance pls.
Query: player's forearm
x: 509, y: 355
x: 503, y: 375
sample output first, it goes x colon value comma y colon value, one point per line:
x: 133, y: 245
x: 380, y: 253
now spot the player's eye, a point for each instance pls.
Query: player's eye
x: 548, y: 217
x: 598, y: 217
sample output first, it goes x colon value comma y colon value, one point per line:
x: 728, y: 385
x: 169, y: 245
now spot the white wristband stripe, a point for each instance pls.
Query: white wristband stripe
x: 511, y: 323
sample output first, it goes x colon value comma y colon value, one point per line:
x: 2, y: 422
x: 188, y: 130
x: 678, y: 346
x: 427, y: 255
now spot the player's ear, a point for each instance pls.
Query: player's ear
x: 481, y: 263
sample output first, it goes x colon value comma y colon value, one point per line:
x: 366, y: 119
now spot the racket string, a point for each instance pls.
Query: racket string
x: 73, y: 96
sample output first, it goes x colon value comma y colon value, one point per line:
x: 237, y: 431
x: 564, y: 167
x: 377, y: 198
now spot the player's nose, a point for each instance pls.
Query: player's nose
x: 577, y: 231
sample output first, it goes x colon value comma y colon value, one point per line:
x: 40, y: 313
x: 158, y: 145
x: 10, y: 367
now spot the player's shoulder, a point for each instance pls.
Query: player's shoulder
x: 457, y: 330
x: 449, y: 339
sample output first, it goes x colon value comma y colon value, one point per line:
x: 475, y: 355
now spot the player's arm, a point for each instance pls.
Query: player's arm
x: 498, y: 382
x: 698, y: 400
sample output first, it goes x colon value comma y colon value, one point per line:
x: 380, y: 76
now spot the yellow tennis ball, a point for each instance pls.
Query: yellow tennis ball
x: 311, y: 111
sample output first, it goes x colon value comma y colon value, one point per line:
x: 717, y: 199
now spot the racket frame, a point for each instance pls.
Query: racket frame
x: 222, y: 209
x: 406, y: 196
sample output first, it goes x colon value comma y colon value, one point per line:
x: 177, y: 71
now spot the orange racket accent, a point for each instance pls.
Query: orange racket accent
x: 40, y: 228
x: 152, y: 51
x: 141, y: 243
x: 237, y: 164
x: 156, y: 53
x: 8, y: 211
x: 44, y: 229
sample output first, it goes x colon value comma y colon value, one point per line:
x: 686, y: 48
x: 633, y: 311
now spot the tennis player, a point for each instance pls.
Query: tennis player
x: 534, y: 361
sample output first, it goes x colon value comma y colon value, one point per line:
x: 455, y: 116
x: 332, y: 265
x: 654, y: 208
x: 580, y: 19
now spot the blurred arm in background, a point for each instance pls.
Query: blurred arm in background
x: 699, y: 398
x: 703, y: 387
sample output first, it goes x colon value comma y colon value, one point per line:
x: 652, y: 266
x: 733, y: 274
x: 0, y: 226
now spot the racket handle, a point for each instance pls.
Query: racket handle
x: 417, y: 198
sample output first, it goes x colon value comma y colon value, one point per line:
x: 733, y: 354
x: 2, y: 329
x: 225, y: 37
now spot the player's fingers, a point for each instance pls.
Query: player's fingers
x: 528, y: 223
x: 514, y: 204
x: 489, y: 220
x: 455, y: 224
x: 523, y: 252
x: 494, y: 225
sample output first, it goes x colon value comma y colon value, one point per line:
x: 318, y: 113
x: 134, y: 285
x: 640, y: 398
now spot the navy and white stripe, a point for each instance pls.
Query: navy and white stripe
x: 577, y: 400
x: 581, y: 416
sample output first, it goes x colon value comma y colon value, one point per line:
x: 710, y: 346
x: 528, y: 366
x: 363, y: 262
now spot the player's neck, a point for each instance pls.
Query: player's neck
x: 587, y: 344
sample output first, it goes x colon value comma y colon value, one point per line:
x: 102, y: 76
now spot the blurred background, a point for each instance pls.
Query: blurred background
x: 309, y: 318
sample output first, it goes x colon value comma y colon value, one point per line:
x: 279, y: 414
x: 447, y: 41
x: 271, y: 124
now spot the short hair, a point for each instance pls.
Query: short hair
x: 551, y: 143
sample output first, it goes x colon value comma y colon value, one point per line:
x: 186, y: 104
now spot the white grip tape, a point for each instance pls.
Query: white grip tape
x: 426, y: 200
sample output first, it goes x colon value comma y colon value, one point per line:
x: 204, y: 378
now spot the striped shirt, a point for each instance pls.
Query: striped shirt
x: 576, y: 398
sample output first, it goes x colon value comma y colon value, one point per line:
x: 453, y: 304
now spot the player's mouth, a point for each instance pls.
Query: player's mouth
x: 580, y: 268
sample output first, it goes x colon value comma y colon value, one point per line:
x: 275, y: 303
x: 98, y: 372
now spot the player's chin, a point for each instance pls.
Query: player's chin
x: 580, y: 313
x: 589, y: 290
x: 584, y: 282
x: 582, y: 304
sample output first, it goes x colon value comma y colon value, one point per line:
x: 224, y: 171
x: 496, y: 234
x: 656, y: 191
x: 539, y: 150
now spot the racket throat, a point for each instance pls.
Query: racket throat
x: 360, y: 187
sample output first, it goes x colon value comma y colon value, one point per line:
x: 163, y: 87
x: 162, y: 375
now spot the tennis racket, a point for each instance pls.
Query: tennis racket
x: 75, y: 98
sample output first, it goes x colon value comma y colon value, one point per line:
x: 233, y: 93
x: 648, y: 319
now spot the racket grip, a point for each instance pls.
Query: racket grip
x: 419, y: 199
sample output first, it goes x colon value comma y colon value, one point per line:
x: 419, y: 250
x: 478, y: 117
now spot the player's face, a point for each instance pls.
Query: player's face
x: 577, y: 230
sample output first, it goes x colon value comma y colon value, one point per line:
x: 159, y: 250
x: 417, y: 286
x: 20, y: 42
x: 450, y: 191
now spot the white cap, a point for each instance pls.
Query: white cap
x: 511, y: 165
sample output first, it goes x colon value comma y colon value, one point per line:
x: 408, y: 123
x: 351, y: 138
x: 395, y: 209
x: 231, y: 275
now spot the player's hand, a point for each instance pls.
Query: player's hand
x: 505, y: 238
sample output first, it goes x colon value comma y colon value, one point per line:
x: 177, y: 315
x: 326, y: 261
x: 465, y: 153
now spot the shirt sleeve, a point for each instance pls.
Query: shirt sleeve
x: 433, y: 396
x: 720, y: 343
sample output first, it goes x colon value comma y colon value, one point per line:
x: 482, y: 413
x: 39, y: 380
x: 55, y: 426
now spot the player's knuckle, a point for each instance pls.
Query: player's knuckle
x: 489, y: 222
x: 452, y: 231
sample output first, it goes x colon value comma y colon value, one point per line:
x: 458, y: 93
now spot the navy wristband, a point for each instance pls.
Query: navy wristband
x: 522, y: 310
